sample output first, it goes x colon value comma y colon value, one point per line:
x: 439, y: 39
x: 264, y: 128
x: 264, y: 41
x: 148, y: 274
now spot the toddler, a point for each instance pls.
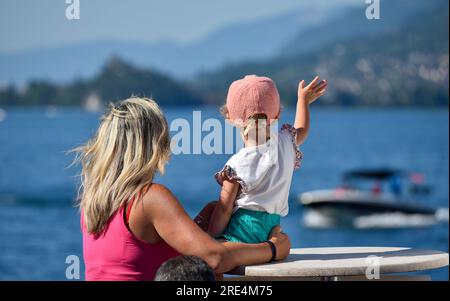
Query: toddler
x: 256, y: 181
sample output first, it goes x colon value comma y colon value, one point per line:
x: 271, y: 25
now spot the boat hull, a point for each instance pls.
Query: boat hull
x: 360, y: 202
x: 364, y: 208
x: 333, y: 208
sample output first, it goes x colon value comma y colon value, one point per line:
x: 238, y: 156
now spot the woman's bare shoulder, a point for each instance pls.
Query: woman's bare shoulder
x: 159, y: 195
x: 159, y: 190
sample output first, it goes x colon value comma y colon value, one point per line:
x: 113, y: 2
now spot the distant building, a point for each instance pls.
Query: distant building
x: 93, y: 103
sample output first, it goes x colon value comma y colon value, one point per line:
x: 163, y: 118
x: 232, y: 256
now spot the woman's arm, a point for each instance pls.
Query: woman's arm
x: 247, y: 254
x: 306, y: 96
x: 176, y: 228
x: 224, y: 208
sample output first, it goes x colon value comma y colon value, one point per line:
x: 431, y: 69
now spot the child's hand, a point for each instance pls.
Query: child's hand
x: 311, y: 92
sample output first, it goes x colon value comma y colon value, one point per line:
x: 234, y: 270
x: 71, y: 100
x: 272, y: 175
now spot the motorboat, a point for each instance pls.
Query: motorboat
x: 368, y: 193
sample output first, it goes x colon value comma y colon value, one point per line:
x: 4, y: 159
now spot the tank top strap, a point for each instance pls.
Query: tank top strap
x: 128, y: 211
x: 127, y: 207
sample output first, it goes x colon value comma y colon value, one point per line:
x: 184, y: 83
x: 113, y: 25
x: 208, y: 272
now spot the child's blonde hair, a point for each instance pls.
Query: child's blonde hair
x: 256, y: 128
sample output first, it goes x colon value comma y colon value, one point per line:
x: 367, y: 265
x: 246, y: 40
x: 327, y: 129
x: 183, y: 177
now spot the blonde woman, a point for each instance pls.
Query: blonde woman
x: 130, y: 224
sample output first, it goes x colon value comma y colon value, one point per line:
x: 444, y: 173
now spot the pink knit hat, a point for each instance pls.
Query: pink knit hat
x: 252, y: 95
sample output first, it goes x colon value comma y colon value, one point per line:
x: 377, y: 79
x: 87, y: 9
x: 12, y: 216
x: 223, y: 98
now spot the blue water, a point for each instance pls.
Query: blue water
x: 39, y: 227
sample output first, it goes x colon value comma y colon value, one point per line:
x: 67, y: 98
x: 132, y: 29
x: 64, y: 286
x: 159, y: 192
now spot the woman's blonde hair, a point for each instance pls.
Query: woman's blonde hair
x: 120, y: 161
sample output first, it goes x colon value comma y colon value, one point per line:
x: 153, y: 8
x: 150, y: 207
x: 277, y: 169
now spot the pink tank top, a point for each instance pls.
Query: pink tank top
x: 119, y: 255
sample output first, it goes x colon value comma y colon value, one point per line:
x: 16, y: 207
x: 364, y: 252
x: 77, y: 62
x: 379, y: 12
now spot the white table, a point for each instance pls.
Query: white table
x: 339, y: 263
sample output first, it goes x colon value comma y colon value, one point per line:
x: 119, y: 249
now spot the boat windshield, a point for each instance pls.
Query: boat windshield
x: 396, y: 183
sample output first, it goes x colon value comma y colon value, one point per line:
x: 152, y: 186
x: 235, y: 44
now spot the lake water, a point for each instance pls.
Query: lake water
x: 39, y: 227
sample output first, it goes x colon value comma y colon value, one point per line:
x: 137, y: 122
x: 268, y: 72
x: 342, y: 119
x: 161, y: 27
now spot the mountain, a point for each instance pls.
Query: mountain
x: 406, y: 65
x: 258, y: 39
x: 402, y: 65
x: 117, y: 80
x: 354, y: 24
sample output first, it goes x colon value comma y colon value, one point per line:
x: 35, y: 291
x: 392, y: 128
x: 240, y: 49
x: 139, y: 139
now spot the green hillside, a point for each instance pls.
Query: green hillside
x: 117, y: 80
x: 408, y: 66
x: 404, y: 63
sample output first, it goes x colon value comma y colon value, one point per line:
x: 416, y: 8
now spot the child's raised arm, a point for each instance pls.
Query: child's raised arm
x: 224, y: 208
x: 306, y: 96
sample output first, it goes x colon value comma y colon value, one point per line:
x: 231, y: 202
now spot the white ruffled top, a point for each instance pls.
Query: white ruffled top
x: 264, y: 173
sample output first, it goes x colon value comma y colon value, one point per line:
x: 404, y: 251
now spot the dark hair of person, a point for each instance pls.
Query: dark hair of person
x: 185, y: 268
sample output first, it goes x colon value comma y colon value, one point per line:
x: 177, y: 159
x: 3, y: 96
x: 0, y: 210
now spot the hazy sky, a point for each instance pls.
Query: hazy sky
x: 26, y: 24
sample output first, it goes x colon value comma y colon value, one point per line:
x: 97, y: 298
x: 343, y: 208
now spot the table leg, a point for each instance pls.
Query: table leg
x: 329, y: 278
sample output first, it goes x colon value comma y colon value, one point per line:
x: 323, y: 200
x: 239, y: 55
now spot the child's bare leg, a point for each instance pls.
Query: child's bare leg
x: 202, y: 219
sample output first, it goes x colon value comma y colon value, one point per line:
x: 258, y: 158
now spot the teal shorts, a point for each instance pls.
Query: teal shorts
x: 250, y: 226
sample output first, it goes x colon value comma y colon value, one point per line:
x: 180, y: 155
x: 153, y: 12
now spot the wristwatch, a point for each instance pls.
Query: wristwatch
x: 274, y: 250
